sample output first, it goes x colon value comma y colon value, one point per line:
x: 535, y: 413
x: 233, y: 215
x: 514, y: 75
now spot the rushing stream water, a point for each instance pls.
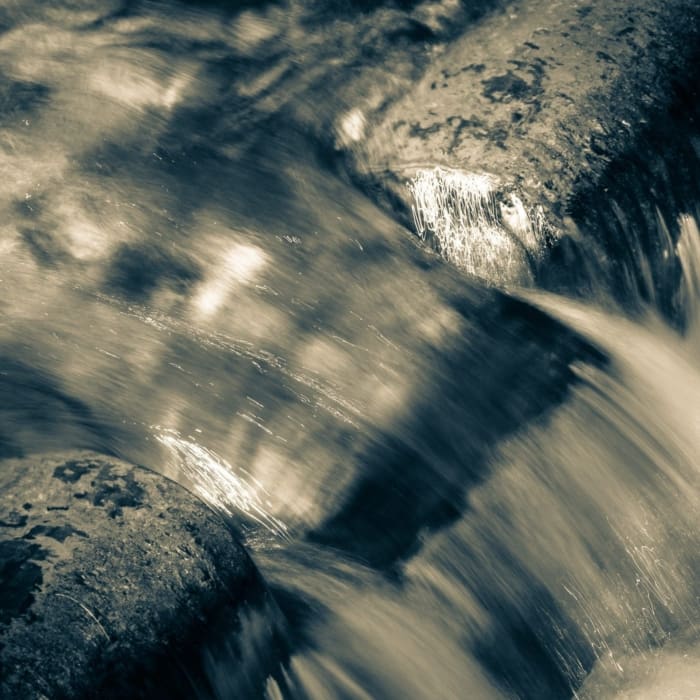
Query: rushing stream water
x: 454, y: 491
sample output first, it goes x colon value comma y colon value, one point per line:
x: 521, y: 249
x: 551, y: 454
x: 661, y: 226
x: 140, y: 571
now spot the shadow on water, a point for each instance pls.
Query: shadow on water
x: 514, y: 366
x: 36, y: 412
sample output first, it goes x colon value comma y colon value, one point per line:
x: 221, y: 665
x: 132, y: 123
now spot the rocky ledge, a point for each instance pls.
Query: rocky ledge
x: 111, y: 580
x: 526, y: 109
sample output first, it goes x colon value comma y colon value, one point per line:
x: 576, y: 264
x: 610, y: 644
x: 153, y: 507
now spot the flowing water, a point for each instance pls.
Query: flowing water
x: 453, y: 490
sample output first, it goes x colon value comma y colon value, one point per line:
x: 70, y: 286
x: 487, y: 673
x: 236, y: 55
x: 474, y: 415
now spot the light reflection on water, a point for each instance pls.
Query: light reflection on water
x: 446, y: 489
x: 216, y: 482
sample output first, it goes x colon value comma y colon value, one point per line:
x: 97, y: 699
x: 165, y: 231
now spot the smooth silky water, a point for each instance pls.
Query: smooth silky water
x: 453, y: 490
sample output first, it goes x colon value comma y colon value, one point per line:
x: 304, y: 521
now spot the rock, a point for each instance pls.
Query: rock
x: 528, y: 107
x: 115, y: 582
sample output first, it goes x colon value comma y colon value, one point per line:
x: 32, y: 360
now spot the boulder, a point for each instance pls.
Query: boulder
x: 528, y: 107
x: 115, y: 582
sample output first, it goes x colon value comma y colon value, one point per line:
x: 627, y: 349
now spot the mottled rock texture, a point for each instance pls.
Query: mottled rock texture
x: 111, y: 577
x: 542, y: 96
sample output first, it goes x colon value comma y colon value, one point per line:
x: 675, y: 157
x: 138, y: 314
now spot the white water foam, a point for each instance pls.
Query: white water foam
x: 218, y: 484
x: 459, y: 213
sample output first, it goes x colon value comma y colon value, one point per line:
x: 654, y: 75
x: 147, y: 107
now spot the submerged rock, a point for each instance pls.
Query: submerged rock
x: 111, y: 580
x: 537, y: 101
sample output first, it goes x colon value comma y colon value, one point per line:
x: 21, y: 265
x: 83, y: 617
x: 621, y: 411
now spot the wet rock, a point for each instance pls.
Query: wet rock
x: 115, y: 582
x: 539, y: 99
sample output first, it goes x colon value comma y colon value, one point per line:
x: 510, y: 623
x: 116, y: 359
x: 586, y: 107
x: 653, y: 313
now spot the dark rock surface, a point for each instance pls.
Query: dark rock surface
x: 541, y: 97
x: 111, y: 577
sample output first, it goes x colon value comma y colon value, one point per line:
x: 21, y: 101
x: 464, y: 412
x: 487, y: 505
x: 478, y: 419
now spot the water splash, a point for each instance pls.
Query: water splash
x: 688, y: 252
x: 370, y: 638
x: 459, y: 213
x: 218, y: 484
